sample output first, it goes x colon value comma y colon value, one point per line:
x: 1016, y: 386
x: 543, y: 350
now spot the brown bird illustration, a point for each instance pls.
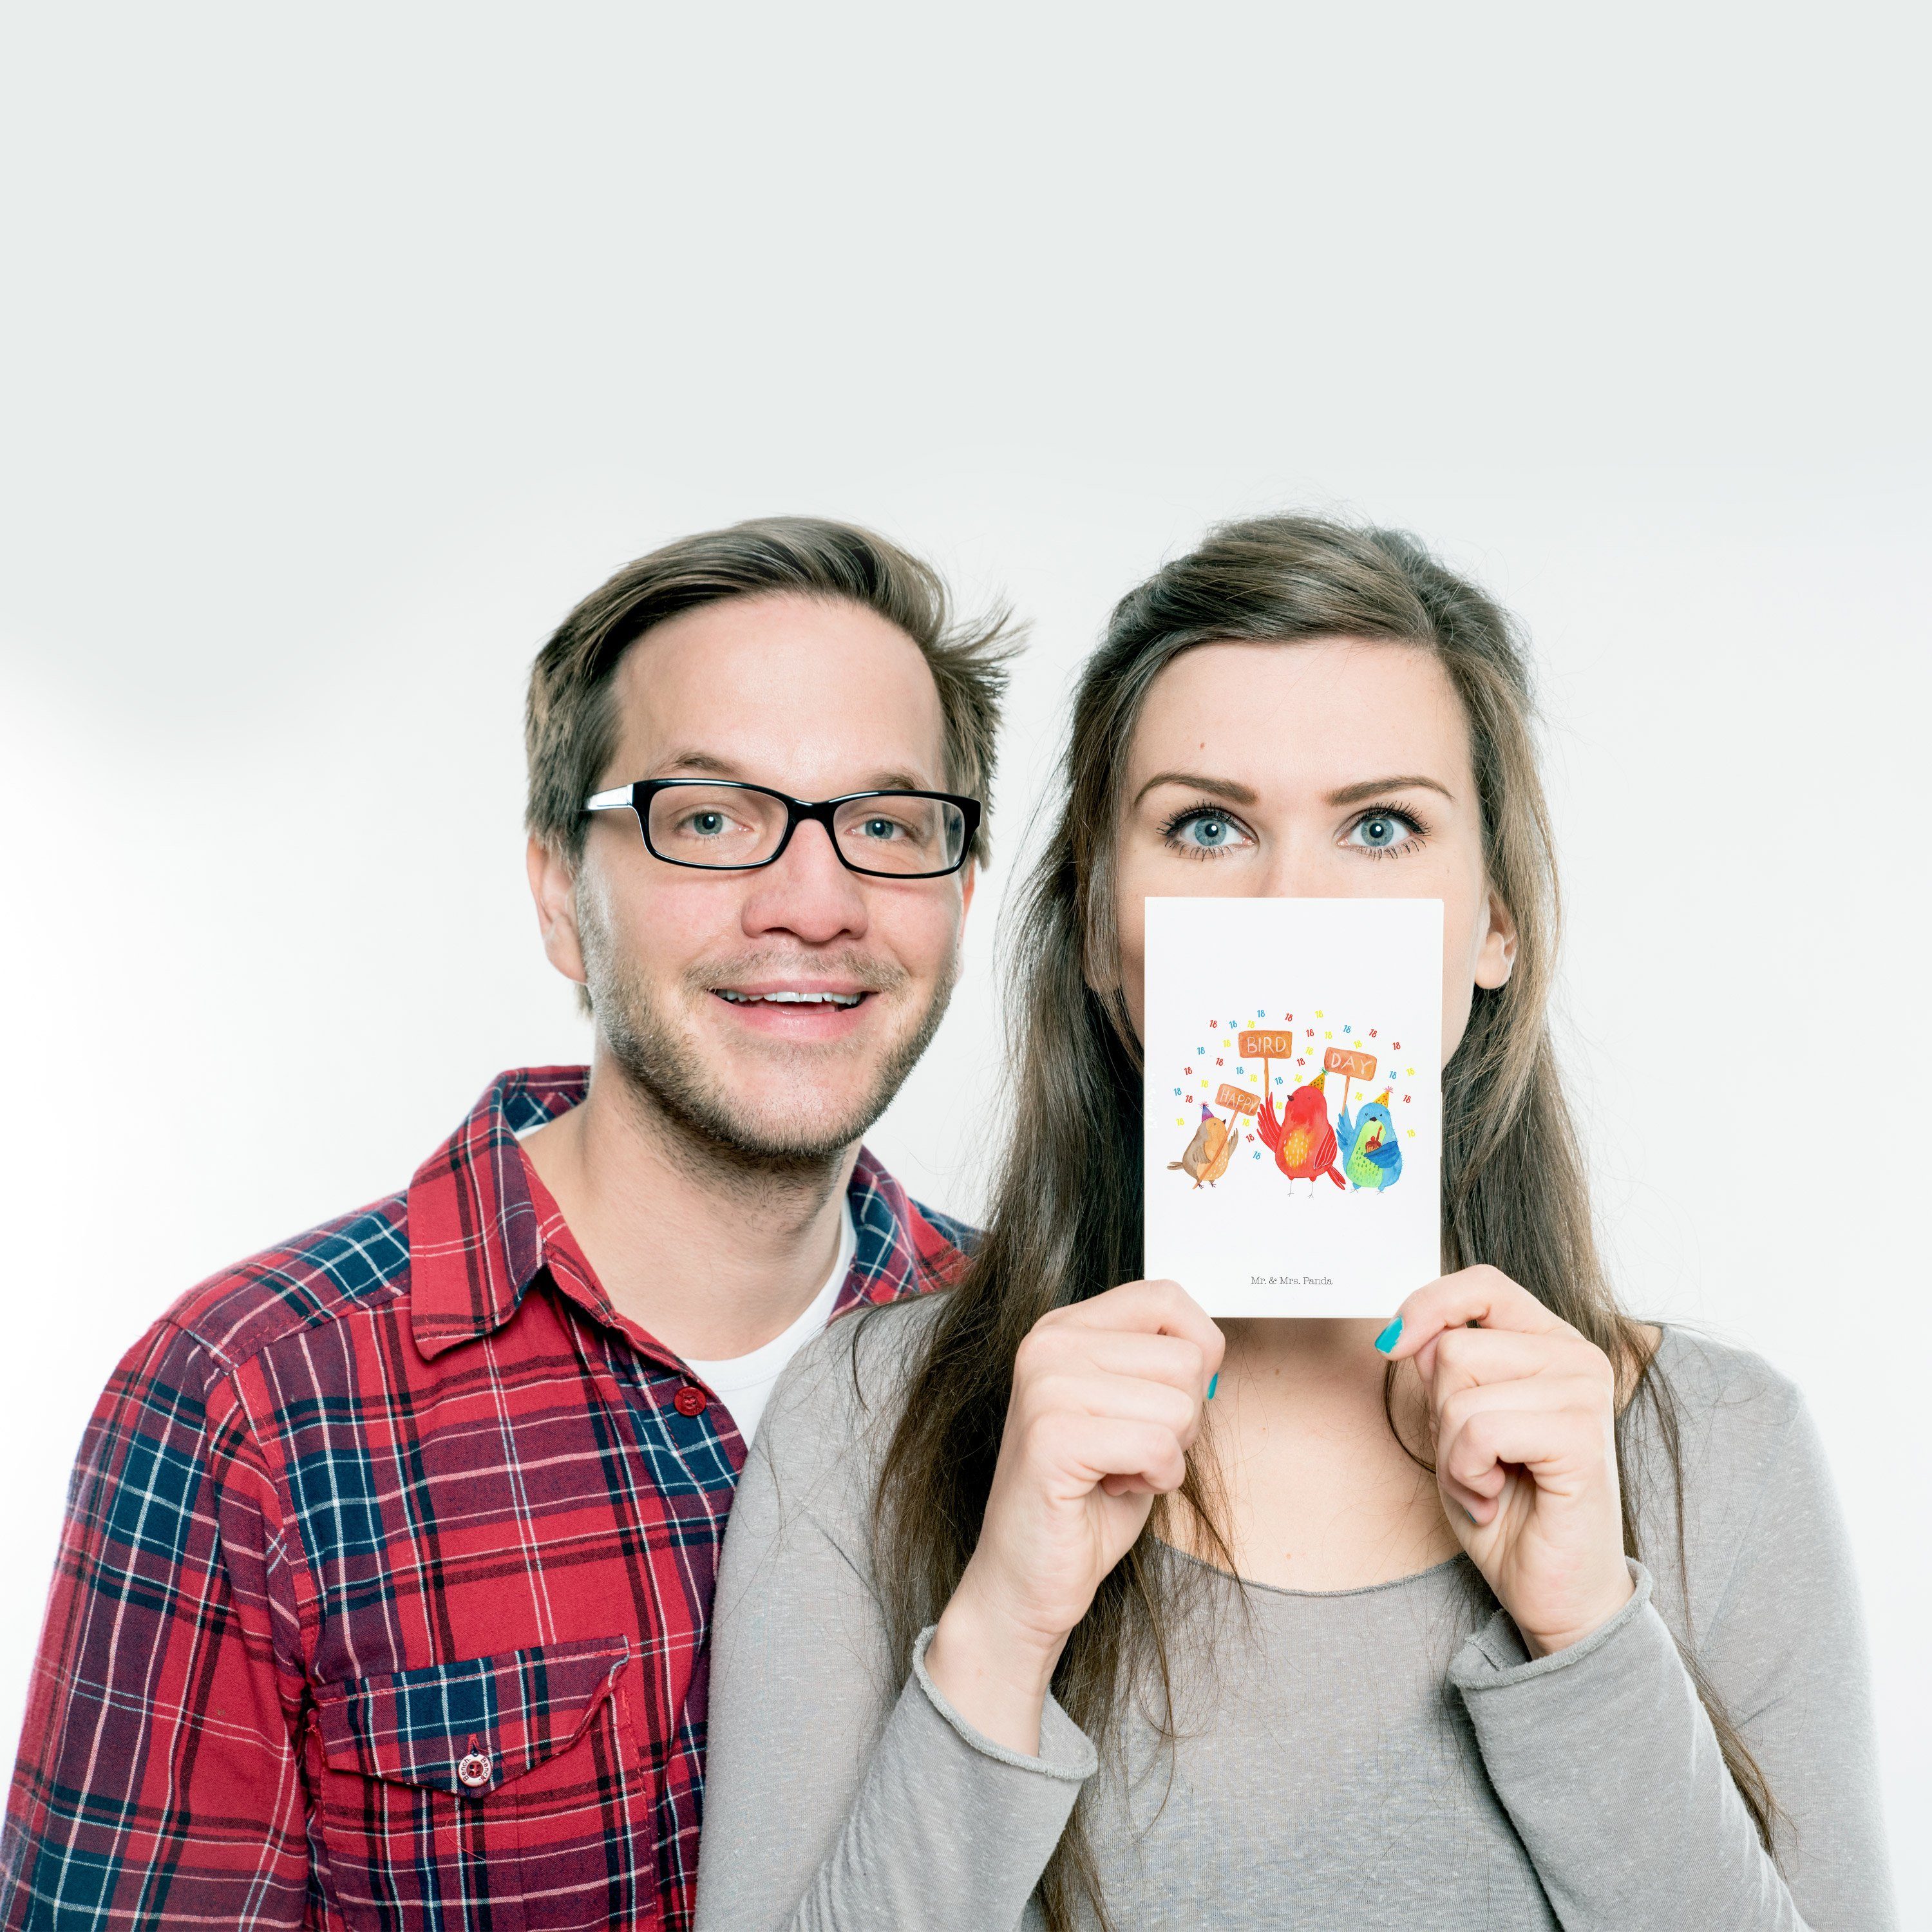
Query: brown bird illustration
x: 1209, y: 1151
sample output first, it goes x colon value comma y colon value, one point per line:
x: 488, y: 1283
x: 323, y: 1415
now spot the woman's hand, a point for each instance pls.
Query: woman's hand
x: 1106, y: 1402
x: 1522, y: 1410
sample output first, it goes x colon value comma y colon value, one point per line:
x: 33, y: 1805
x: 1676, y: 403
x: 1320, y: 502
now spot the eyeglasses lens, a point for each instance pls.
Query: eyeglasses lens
x: 727, y: 826
x: 900, y: 832
x: 715, y: 825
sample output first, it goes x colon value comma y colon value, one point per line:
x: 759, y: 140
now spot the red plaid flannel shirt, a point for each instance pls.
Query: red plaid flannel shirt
x: 383, y: 1596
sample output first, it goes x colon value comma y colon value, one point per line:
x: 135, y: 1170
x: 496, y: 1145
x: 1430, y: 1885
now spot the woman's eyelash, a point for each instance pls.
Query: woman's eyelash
x: 1206, y: 809
x: 1417, y: 832
x: 1171, y: 826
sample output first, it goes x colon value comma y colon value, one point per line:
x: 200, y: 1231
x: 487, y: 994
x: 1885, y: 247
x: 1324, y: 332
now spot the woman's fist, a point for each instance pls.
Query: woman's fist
x: 1522, y: 1410
x: 1106, y: 1402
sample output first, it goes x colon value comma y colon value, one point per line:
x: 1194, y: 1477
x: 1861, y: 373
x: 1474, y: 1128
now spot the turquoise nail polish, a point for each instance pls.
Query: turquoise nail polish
x: 1390, y: 1336
x: 1214, y: 1383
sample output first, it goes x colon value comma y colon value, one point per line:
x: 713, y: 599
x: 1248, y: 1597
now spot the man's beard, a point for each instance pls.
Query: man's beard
x: 663, y: 1063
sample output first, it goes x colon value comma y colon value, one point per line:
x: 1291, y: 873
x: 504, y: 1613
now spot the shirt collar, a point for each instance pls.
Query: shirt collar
x: 474, y: 1241
x: 899, y: 1252
x: 477, y: 1241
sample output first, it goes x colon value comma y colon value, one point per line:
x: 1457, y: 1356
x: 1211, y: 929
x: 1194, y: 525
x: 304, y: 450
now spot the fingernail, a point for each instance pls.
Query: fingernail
x: 1214, y: 1383
x: 1390, y: 1336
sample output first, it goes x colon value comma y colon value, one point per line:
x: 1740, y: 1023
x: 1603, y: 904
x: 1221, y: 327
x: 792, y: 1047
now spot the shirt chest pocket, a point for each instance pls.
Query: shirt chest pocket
x: 498, y: 1792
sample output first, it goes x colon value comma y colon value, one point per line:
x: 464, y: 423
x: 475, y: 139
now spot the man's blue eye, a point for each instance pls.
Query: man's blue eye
x: 880, y: 828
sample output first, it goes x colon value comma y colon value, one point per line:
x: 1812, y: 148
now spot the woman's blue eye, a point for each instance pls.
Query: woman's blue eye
x: 1209, y: 832
x: 1202, y: 832
x: 1380, y: 830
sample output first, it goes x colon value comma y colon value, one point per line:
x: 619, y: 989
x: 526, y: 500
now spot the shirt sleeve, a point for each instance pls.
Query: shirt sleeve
x: 157, y: 1780
x: 842, y: 1792
x: 1609, y: 1767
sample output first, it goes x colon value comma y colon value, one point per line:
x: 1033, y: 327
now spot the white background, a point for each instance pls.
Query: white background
x: 345, y: 348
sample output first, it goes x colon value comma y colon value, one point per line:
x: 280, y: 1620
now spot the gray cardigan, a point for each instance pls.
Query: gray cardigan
x: 1386, y: 1757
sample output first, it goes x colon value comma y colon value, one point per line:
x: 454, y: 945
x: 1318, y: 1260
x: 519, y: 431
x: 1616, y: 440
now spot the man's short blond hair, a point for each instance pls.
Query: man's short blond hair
x: 570, y: 725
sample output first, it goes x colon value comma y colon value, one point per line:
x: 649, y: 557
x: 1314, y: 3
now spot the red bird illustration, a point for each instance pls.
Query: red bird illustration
x: 1303, y: 1140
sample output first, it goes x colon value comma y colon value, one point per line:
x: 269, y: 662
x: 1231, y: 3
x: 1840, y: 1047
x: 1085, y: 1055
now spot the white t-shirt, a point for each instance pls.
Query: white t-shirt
x: 744, y: 1383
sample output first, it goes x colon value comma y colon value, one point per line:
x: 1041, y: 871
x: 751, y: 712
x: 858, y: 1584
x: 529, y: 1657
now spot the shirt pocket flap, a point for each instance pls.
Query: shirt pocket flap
x: 471, y: 1726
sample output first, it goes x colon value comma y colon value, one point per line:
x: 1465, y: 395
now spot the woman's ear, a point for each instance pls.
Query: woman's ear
x: 1495, y: 956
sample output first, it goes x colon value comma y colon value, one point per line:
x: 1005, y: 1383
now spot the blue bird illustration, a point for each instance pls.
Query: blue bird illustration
x: 1371, y: 1156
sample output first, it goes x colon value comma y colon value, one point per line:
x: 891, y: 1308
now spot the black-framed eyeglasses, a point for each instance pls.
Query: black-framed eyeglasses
x: 719, y: 826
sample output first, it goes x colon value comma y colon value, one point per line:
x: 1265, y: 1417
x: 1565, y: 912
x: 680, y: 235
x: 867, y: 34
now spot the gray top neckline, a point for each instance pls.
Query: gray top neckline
x: 1667, y: 1344
x: 1413, y: 1577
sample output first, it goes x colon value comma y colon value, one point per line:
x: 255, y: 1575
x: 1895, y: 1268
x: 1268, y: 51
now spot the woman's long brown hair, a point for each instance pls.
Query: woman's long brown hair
x: 1065, y: 1222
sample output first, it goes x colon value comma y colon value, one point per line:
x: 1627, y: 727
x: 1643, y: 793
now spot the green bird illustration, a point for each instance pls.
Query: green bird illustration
x: 1370, y: 1157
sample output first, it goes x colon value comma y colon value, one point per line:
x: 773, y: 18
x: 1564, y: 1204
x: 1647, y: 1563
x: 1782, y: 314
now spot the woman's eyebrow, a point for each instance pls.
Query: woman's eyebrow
x: 1237, y: 793
x: 1354, y: 794
x: 1228, y: 788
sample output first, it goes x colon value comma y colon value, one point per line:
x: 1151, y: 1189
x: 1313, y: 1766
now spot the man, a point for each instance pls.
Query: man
x: 383, y: 1595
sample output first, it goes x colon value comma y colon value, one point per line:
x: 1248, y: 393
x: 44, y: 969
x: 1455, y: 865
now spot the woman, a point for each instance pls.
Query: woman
x: 1518, y: 1612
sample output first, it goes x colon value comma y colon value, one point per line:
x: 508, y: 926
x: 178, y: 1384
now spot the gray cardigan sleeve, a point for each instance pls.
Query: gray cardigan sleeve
x: 1609, y: 1766
x: 842, y: 1791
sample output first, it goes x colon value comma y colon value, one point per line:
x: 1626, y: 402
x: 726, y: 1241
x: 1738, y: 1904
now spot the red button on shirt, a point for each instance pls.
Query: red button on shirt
x: 690, y: 1400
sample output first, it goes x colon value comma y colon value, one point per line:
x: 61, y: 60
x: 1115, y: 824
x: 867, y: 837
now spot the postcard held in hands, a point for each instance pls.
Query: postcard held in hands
x: 1293, y: 1101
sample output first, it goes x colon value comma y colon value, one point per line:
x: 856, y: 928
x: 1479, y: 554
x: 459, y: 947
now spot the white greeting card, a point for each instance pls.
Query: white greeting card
x: 1294, y: 1104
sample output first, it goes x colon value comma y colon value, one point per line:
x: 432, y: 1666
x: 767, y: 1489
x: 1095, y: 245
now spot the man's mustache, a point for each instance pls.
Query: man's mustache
x: 862, y: 971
